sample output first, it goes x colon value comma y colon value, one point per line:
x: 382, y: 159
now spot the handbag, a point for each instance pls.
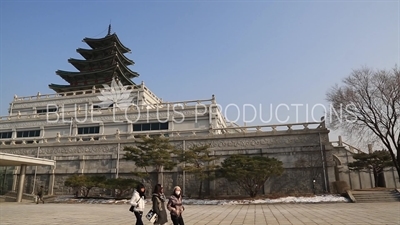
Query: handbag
x: 151, y: 216
x: 132, y: 207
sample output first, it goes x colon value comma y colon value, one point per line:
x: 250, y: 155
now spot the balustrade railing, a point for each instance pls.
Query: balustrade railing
x: 81, y: 92
x: 274, y: 127
x: 56, y: 95
x: 347, y: 146
x: 147, y: 90
x: 176, y: 106
x: 171, y: 134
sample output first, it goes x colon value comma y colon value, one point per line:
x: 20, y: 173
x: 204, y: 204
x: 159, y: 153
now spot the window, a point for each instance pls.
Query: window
x: 137, y: 127
x: 46, y: 110
x: 4, y: 135
x: 164, y: 126
x: 89, y: 130
x: 146, y: 126
x: 150, y: 126
x: 154, y: 126
x: 28, y: 133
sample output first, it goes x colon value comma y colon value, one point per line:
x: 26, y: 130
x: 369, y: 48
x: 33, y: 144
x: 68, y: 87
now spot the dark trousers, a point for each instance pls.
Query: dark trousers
x: 39, y: 199
x: 138, y: 218
x: 177, y: 220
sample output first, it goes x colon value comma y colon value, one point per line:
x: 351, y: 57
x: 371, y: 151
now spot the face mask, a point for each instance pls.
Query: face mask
x: 177, y: 192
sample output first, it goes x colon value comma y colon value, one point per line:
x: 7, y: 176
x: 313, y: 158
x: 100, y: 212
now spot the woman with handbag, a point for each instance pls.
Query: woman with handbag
x: 138, y: 202
x: 159, y: 205
x: 176, y: 207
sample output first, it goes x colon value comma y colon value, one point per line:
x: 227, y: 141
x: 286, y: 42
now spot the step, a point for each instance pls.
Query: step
x: 392, y: 200
x: 371, y: 199
x: 376, y: 196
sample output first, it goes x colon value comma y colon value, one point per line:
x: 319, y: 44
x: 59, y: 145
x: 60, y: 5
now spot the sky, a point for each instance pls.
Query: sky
x: 259, y: 58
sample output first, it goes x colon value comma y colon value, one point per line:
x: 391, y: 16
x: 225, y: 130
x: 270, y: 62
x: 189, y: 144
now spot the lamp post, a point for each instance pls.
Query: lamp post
x: 313, y: 182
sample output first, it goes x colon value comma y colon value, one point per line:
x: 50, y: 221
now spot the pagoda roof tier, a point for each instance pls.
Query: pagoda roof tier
x: 123, y: 70
x: 89, y: 53
x: 72, y: 77
x: 83, y: 65
x: 69, y: 88
x: 108, y: 40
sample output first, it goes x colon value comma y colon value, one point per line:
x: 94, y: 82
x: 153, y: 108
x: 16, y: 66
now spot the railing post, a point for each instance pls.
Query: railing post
x: 340, y: 141
x: 370, y: 148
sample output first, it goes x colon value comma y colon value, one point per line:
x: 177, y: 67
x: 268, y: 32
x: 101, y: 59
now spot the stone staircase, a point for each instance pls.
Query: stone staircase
x: 384, y: 195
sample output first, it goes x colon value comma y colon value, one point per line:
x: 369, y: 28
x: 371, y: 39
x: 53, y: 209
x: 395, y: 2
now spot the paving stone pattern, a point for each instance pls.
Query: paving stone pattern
x: 276, y: 214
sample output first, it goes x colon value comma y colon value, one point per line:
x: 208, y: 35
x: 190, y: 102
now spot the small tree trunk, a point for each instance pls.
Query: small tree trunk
x: 87, y: 192
x: 253, y: 193
x: 160, y: 176
x: 201, y: 189
x: 375, y: 177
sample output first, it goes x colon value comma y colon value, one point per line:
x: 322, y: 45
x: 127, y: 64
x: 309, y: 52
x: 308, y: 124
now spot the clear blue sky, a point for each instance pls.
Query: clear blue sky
x: 256, y: 52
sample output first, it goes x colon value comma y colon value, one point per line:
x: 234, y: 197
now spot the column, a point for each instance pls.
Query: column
x: 21, y: 182
x: 74, y: 129
x: 212, y: 183
x: 129, y: 125
x: 183, y: 171
x: 15, y: 178
x: 14, y: 133
x: 52, y: 178
x: 160, y: 176
x: 81, y: 164
x: 370, y: 148
x: 101, y: 128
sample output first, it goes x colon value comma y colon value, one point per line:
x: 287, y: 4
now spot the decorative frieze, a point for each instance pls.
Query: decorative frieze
x: 287, y: 140
x: 63, y: 150
x: 21, y: 151
x: 215, y: 143
x: 81, y: 149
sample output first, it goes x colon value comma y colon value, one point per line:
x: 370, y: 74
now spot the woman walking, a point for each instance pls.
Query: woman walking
x: 137, y: 201
x: 159, y: 205
x: 176, y: 207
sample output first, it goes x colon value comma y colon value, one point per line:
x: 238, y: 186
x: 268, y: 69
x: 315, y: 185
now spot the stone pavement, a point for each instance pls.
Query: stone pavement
x: 277, y: 214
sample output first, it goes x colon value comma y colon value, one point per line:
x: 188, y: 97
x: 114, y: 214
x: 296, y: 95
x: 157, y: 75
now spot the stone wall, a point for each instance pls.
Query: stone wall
x: 306, y: 155
x: 359, y: 179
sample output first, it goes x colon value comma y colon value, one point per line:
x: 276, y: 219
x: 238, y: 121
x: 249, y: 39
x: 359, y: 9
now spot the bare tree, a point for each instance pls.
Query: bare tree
x: 368, y: 105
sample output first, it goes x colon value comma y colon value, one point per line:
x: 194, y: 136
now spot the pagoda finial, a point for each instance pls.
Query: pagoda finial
x: 109, y: 29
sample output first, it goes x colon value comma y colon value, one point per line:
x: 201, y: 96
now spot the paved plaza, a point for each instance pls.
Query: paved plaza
x: 277, y: 214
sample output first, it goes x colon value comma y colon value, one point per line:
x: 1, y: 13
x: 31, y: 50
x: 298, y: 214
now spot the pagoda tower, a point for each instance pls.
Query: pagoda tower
x: 102, y: 63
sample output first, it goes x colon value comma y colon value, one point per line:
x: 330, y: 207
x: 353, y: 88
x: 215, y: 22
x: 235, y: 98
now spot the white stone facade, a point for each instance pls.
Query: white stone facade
x: 62, y: 116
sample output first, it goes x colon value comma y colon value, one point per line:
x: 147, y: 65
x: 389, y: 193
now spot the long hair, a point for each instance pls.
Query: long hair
x: 140, y: 186
x: 157, y: 189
